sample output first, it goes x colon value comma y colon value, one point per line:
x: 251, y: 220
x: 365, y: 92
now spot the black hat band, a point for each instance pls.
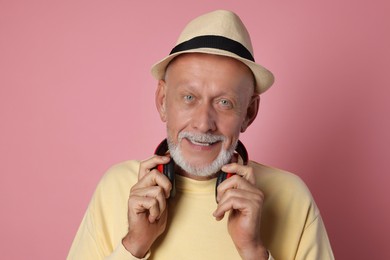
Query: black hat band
x: 215, y: 42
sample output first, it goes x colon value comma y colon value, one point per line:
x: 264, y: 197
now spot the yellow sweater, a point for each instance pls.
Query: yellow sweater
x: 291, y: 228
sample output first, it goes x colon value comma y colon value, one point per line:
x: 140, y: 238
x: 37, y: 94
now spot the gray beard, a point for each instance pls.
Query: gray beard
x: 201, y: 170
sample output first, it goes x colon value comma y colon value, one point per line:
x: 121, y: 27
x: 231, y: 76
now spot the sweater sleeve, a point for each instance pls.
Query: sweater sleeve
x: 105, y: 222
x: 85, y: 246
x: 314, y: 243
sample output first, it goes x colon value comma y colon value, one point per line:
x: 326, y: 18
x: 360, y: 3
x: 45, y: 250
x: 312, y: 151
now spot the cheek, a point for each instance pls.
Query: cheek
x: 176, y: 120
x: 230, y: 128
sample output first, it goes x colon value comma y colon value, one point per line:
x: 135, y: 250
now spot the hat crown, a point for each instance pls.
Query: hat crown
x: 222, y: 33
x: 220, y: 23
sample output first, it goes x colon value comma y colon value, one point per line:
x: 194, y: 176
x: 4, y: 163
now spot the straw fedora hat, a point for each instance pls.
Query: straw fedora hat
x: 221, y: 33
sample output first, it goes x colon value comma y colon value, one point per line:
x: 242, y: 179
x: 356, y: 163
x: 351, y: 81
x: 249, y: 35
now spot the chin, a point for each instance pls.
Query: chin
x: 194, y: 169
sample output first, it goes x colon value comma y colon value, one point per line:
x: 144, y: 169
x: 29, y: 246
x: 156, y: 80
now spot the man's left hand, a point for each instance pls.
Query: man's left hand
x: 244, y: 201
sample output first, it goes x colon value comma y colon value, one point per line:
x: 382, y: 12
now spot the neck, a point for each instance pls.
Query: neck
x: 183, y: 173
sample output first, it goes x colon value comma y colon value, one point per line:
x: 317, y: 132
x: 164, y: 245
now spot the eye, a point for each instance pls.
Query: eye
x: 225, y: 103
x: 188, y: 98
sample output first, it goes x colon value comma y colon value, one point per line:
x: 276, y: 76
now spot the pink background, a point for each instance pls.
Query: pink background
x: 76, y: 96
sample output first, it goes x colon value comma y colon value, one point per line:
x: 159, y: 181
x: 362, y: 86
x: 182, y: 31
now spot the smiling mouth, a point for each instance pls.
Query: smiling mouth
x: 202, y: 143
x: 201, y: 140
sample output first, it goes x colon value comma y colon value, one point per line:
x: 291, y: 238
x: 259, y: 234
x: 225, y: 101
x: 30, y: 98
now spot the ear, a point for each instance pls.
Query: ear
x: 160, y: 99
x: 251, y: 112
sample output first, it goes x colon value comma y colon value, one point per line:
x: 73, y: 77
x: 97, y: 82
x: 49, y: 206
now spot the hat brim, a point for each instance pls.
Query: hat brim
x: 264, y: 78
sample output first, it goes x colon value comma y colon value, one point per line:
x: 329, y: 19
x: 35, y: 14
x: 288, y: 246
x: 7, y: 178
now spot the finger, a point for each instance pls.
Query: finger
x: 155, y: 192
x: 255, y: 195
x: 148, y: 164
x: 227, y: 205
x: 147, y: 204
x: 241, y: 170
x: 154, y: 178
x: 236, y: 183
x: 243, y: 205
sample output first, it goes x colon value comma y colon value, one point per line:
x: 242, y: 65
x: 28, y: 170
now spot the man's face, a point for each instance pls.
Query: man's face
x: 206, y: 101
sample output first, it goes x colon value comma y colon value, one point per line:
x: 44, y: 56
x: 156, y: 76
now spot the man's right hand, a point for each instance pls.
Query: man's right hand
x: 147, y: 213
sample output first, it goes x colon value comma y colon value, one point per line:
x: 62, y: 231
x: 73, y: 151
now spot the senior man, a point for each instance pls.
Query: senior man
x: 173, y: 205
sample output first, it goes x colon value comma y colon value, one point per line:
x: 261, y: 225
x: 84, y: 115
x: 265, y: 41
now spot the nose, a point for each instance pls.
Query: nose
x: 204, y: 118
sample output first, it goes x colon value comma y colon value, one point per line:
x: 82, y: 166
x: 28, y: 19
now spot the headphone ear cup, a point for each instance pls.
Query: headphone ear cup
x: 242, y: 152
x: 169, y: 168
x: 169, y: 171
x: 160, y: 168
x: 221, y: 177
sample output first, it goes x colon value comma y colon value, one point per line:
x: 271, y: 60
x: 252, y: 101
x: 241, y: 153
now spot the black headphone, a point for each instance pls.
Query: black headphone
x: 169, y: 168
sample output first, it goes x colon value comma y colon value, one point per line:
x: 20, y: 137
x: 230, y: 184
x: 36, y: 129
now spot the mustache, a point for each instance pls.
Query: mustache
x: 201, y: 138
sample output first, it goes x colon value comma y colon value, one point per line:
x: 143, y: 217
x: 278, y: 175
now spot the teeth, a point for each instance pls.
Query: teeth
x: 202, y: 144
